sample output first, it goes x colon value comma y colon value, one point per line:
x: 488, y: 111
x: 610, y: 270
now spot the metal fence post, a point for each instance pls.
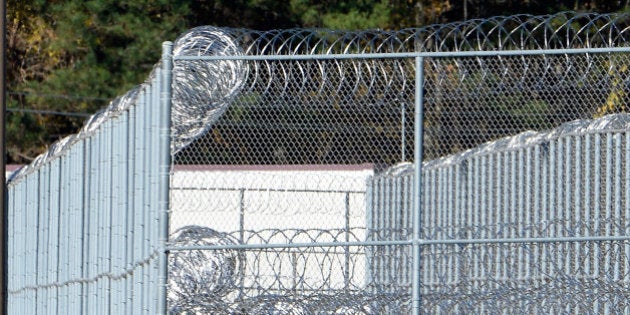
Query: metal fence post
x: 241, y: 215
x: 418, y: 130
x: 241, y: 237
x: 164, y: 171
x: 403, y: 124
x: 346, y: 272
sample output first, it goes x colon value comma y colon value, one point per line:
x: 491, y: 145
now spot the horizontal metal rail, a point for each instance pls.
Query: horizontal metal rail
x: 440, y: 54
x: 290, y: 190
x: 421, y: 242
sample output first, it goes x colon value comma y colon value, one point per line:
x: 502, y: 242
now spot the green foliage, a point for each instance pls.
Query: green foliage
x: 119, y: 39
x: 349, y: 15
x: 85, y: 50
x: 23, y: 128
x: 375, y: 17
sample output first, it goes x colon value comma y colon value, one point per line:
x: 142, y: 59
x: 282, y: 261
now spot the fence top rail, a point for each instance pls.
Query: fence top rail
x: 422, y: 54
x: 421, y: 242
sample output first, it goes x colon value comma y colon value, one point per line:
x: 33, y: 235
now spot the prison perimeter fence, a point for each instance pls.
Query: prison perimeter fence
x: 473, y: 167
x: 85, y: 217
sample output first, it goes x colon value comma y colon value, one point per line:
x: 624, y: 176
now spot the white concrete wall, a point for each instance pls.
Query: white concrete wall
x: 305, y: 197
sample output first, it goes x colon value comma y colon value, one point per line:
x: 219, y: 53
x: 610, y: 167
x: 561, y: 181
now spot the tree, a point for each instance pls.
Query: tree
x: 85, y: 51
x: 253, y: 14
x: 349, y: 15
x: 30, y: 58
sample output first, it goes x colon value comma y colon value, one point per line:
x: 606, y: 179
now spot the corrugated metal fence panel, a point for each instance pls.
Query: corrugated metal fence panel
x: 85, y: 225
x: 538, y: 197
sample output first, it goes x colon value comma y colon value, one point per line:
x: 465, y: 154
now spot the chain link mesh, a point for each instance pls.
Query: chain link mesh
x: 314, y: 112
x: 470, y: 101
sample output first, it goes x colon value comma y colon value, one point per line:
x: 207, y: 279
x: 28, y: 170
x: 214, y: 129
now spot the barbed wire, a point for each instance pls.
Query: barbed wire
x: 197, y: 277
x: 273, y: 281
x: 523, y: 31
x: 203, y: 90
x: 526, y: 277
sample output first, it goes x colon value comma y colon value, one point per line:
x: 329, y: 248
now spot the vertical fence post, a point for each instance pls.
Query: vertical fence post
x: 403, y: 124
x: 346, y: 272
x: 370, y: 259
x: 241, y: 215
x: 164, y: 171
x: 418, y: 130
x: 241, y: 237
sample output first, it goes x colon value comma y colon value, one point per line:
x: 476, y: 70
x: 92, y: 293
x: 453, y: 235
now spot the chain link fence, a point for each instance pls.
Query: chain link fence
x: 311, y: 237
